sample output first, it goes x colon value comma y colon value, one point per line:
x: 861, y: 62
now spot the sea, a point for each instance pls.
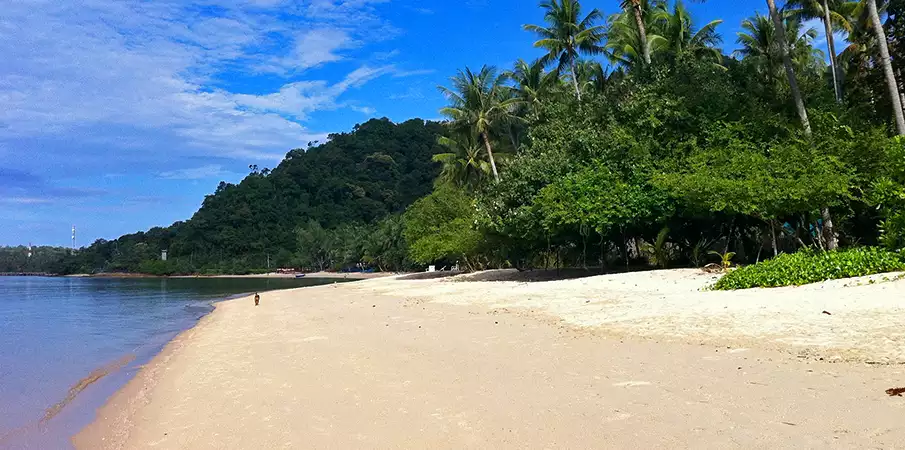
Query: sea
x: 67, y: 344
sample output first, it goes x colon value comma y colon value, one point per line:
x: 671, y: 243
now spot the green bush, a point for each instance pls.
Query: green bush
x: 809, y: 267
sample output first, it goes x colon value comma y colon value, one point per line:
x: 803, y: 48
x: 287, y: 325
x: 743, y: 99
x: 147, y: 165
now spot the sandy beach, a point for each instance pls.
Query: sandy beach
x: 326, y: 275
x: 643, y: 360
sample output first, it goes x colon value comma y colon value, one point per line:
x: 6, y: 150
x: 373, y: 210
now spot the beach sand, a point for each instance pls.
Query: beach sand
x: 643, y: 360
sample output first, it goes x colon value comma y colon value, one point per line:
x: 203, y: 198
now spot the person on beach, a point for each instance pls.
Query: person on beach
x: 257, y: 299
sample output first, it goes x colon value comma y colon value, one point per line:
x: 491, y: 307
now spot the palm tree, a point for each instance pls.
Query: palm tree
x: 636, y: 7
x: 632, y: 45
x: 532, y: 82
x: 480, y: 102
x: 760, y: 46
x: 681, y: 37
x: 465, y: 165
x: 828, y: 232
x: 592, y: 76
x: 833, y: 14
x: 887, y: 67
x: 567, y: 37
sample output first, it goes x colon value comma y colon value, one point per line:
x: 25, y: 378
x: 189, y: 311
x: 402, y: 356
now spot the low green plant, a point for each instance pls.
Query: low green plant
x: 807, y: 267
x: 725, y: 259
x: 659, y: 253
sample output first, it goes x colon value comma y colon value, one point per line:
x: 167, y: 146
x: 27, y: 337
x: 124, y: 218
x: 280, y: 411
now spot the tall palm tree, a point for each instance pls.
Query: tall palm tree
x: 682, y: 37
x: 886, y: 62
x: 834, y: 15
x: 532, y: 82
x: 787, y: 64
x: 592, y: 76
x: 481, y: 103
x: 760, y: 45
x: 636, y: 7
x: 631, y: 44
x: 567, y: 36
x: 465, y: 165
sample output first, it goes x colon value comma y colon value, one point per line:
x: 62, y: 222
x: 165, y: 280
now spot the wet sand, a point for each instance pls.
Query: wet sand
x: 441, y: 364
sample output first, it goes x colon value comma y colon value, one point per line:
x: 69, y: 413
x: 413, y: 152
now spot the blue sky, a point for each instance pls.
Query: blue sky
x: 120, y: 115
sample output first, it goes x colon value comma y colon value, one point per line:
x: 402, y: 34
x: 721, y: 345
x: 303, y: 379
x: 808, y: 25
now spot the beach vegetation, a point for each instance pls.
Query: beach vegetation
x: 754, y: 144
x: 809, y: 266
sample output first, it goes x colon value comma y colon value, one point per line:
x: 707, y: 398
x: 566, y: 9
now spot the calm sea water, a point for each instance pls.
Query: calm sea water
x: 54, y: 332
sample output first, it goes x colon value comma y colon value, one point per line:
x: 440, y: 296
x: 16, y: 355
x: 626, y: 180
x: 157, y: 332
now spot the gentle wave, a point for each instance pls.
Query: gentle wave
x: 92, y: 377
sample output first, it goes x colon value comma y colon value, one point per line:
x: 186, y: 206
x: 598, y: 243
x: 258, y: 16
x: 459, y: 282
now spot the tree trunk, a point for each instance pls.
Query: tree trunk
x: 831, y: 44
x: 829, y: 233
x: 642, y: 31
x: 513, y: 138
x: 787, y: 63
x: 887, y: 68
x: 575, y: 80
x: 496, y: 175
x: 775, y: 247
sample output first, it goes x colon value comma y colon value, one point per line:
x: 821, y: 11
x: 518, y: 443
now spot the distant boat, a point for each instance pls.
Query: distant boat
x: 301, y: 275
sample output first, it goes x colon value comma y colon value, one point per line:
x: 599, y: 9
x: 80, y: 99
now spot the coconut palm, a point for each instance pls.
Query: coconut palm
x: 835, y: 16
x: 481, y: 103
x: 635, y: 8
x: 784, y: 52
x: 857, y: 59
x: 567, y: 35
x: 592, y: 77
x: 759, y: 45
x: 465, y: 165
x: 532, y: 82
x: 886, y: 62
x: 682, y: 37
x: 625, y: 44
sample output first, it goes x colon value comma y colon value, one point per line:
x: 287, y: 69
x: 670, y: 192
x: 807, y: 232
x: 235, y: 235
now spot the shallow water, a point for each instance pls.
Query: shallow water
x: 67, y: 344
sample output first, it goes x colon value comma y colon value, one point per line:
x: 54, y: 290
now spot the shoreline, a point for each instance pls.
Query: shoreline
x: 130, y: 396
x: 387, y: 315
x: 315, y: 275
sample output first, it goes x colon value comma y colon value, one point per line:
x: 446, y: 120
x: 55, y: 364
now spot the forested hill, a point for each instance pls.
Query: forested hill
x: 360, y: 177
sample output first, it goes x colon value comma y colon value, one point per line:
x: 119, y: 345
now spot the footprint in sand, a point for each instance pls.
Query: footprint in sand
x: 631, y: 384
x: 618, y: 416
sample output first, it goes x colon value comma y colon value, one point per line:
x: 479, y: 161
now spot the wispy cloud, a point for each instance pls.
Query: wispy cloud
x: 298, y: 99
x: 195, y: 173
x: 412, y: 93
x: 98, y: 67
x: 366, y: 110
x: 18, y: 186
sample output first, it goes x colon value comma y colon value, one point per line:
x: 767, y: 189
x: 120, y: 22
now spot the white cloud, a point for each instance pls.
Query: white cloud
x: 299, y: 99
x: 366, y: 110
x: 195, y: 173
x: 412, y: 93
x: 25, y: 200
x: 317, y: 47
x: 133, y: 75
x: 310, y: 49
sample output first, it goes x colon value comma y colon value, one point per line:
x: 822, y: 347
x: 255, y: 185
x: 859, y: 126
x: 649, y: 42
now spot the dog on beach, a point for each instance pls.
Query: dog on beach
x: 257, y: 299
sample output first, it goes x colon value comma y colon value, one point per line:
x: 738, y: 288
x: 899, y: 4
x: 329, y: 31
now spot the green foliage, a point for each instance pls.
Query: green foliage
x: 810, y: 267
x: 599, y: 198
x: 440, y: 228
x: 659, y: 252
x: 725, y: 259
x: 886, y: 193
x: 360, y: 177
x: 43, y: 259
x: 545, y: 167
x: 735, y: 175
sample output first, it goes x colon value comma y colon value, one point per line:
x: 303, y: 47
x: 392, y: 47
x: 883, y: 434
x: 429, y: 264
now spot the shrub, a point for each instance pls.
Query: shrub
x: 809, y: 267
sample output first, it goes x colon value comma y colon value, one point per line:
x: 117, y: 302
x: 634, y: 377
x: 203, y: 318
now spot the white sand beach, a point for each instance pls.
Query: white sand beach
x: 644, y: 360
